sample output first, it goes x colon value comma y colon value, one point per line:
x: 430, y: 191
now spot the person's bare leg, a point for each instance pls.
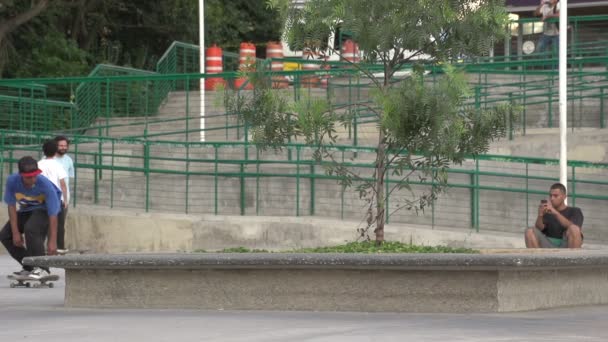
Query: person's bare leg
x: 531, y: 240
x: 575, y: 238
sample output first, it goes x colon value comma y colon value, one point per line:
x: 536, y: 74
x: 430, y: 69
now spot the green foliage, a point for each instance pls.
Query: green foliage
x: 435, y: 119
x: 387, y: 247
x: 76, y: 35
x: 228, y: 23
x: 243, y: 250
x: 51, y: 55
x: 423, y: 128
x: 361, y: 248
x: 438, y: 29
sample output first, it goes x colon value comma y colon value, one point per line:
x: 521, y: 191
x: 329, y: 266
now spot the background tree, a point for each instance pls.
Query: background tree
x: 69, y: 37
x: 422, y: 128
x: 15, y: 14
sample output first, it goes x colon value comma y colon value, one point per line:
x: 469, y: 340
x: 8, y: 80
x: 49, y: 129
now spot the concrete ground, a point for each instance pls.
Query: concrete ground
x: 31, y: 314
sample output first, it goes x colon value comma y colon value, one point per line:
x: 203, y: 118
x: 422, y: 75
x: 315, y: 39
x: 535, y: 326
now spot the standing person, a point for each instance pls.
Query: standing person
x: 64, y: 159
x: 36, y: 219
x: 548, y: 9
x: 557, y: 225
x: 55, y: 172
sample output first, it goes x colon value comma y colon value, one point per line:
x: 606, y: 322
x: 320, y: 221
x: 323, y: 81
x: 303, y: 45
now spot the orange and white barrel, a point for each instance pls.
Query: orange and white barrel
x: 350, y: 52
x: 310, y: 81
x: 213, y: 65
x: 246, y: 64
x: 275, y: 50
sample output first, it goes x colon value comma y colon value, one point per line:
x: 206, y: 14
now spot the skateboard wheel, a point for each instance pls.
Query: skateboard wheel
x: 28, y: 285
x: 51, y: 285
x: 12, y: 285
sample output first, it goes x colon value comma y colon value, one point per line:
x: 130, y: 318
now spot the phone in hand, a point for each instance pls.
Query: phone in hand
x: 543, y: 201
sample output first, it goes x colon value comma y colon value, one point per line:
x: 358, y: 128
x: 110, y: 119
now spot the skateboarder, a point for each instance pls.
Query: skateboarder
x: 39, y: 204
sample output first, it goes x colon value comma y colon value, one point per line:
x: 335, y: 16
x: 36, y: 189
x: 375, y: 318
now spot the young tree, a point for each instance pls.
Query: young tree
x: 422, y: 128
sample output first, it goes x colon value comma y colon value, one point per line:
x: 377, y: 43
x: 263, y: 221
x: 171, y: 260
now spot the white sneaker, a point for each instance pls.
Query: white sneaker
x: 22, y: 273
x: 39, y: 273
x: 62, y: 251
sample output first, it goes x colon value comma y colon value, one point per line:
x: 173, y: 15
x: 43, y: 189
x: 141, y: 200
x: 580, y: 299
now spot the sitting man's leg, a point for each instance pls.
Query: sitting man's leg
x: 573, y: 237
x: 536, y: 239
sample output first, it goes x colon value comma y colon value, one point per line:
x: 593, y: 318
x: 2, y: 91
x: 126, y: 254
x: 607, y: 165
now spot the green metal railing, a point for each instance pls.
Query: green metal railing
x: 235, y: 178
x: 107, y: 99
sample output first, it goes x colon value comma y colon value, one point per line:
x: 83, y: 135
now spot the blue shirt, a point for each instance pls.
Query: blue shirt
x: 68, y: 165
x: 43, y: 195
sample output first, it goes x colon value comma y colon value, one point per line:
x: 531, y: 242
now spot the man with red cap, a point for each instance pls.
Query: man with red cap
x: 39, y: 204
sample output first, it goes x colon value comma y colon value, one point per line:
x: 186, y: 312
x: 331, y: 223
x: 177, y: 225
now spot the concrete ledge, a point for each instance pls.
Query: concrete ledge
x: 336, y: 282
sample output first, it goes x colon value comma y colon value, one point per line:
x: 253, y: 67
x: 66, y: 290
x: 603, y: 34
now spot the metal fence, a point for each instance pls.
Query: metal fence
x: 490, y: 192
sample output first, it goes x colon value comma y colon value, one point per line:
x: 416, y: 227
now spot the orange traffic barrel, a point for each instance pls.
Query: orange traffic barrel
x: 275, y: 50
x: 350, y: 51
x: 246, y: 64
x: 213, y: 65
x: 310, y: 81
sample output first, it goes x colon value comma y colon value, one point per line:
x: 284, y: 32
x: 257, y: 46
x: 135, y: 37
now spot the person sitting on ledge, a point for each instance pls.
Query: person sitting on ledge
x: 557, y: 225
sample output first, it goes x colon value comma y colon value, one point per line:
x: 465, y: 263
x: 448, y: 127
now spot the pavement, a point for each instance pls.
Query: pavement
x: 34, y: 314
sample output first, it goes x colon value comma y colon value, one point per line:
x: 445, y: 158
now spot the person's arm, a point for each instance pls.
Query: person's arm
x: 53, y: 206
x: 539, y: 218
x: 64, y: 192
x: 11, y: 202
x: 12, y: 218
x: 537, y: 10
x: 577, y: 218
x: 564, y: 222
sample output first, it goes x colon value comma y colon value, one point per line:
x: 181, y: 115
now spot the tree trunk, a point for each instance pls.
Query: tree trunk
x: 380, y: 203
x: 8, y: 26
x: 381, y: 167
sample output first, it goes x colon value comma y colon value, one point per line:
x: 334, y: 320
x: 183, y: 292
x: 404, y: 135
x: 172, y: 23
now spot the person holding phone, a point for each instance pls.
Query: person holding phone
x: 557, y: 225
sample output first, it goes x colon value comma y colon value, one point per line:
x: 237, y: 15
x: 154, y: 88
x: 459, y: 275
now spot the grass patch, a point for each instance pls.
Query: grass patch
x: 361, y: 247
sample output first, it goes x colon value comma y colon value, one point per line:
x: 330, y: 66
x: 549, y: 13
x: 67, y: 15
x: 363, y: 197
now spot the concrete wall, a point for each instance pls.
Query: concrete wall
x: 118, y: 231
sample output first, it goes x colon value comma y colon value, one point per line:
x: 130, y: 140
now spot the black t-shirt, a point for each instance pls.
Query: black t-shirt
x: 554, y: 229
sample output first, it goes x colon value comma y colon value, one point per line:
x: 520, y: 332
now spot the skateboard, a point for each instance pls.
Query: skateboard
x: 27, y: 281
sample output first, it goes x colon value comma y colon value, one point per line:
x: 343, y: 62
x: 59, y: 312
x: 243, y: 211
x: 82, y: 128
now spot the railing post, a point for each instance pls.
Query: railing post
x: 510, y: 119
x: 602, y: 122
x: 112, y: 178
x: 572, y: 189
x: 550, y: 103
x: 386, y: 198
x: 298, y: 181
x: 312, y: 188
x: 147, y: 172
x: 96, y: 180
x: 75, y: 186
x: 188, y: 109
x: 108, y: 111
x: 187, y: 176
x: 215, y: 179
x: 243, y: 202
x: 257, y: 181
x: 475, y: 197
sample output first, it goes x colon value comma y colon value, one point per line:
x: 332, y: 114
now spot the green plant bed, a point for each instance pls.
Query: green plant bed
x: 361, y: 247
